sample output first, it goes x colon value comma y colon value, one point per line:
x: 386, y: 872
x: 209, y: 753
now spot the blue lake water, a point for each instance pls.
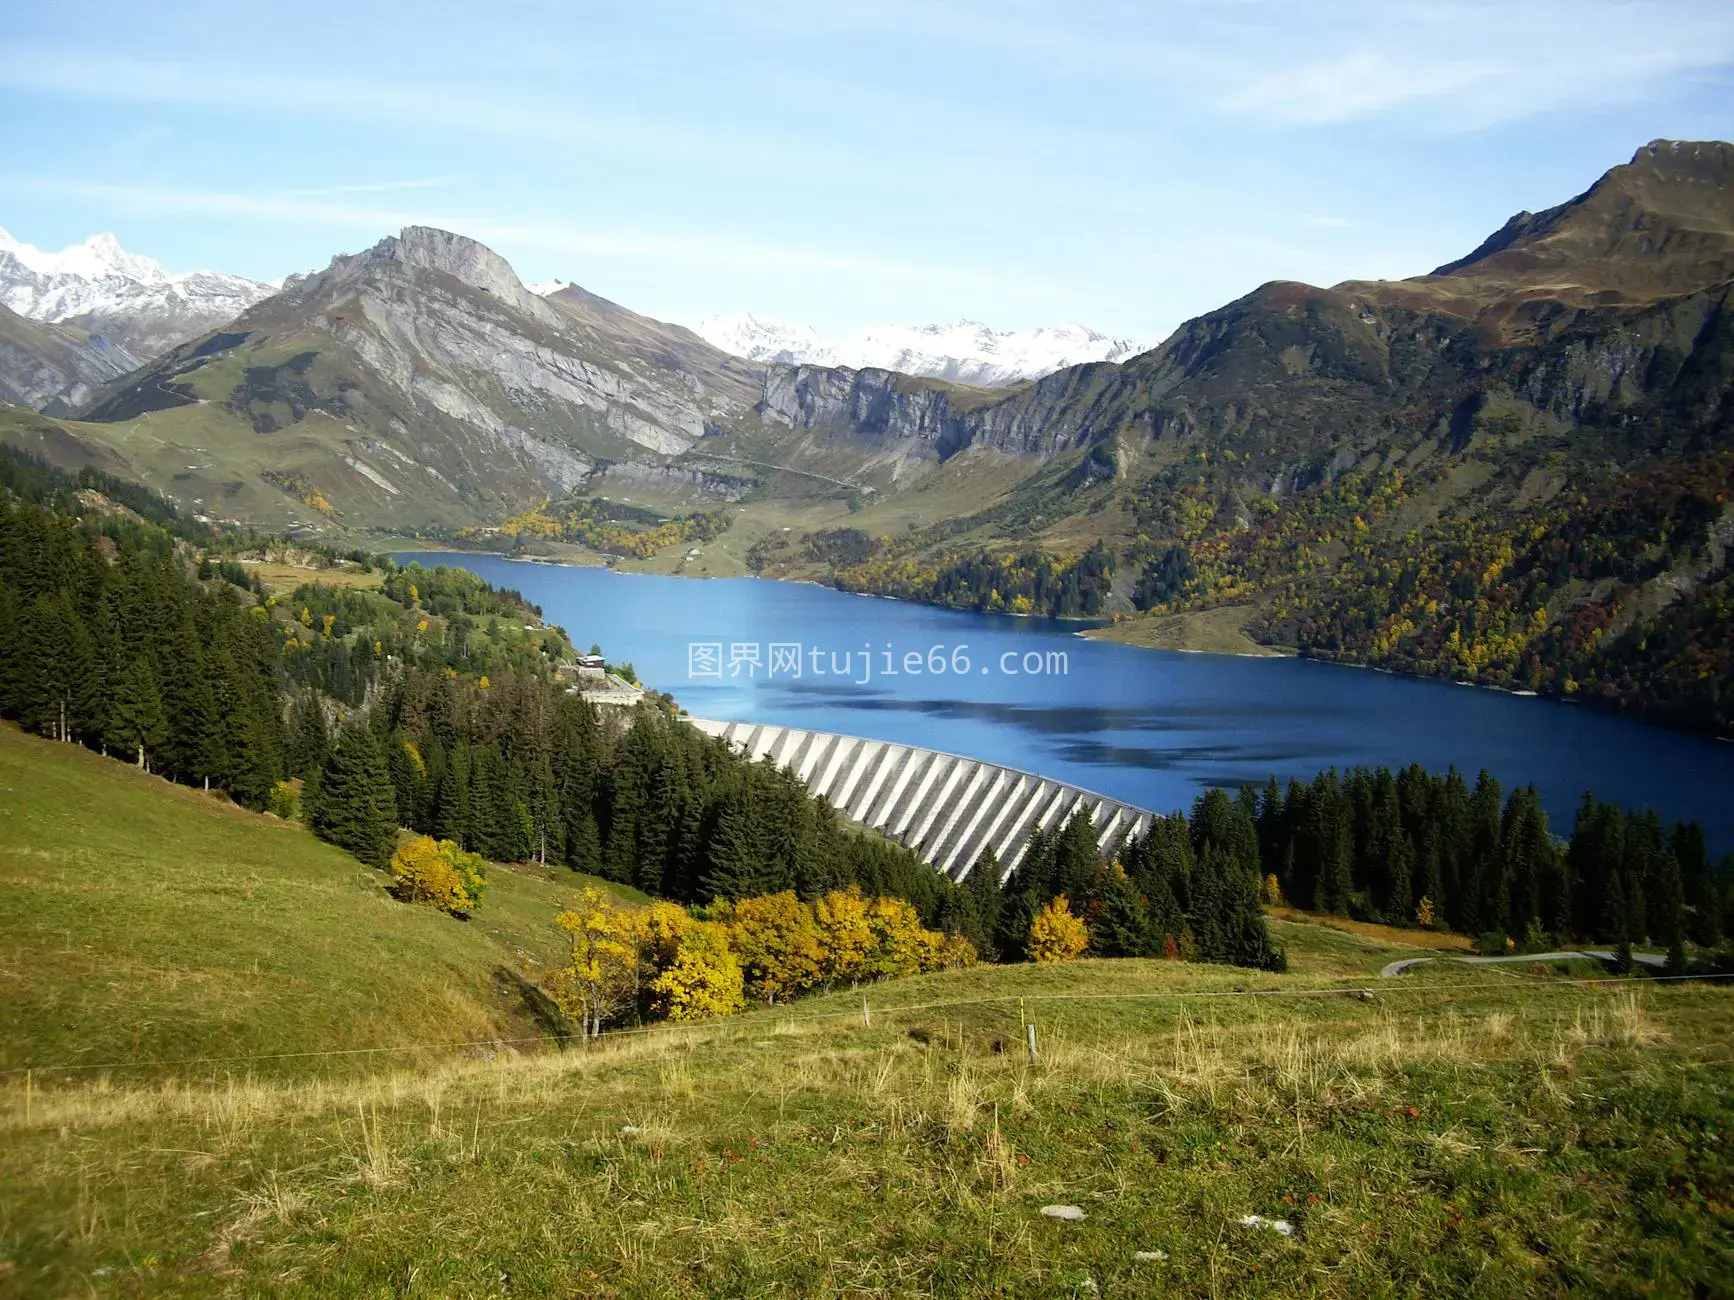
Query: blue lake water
x: 1148, y: 726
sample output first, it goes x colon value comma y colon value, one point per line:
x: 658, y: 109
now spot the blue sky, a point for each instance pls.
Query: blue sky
x: 1022, y: 162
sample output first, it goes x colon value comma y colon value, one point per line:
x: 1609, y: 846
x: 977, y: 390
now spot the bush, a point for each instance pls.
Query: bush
x: 284, y: 801
x: 1492, y: 943
x: 439, y: 874
x: 1057, y: 935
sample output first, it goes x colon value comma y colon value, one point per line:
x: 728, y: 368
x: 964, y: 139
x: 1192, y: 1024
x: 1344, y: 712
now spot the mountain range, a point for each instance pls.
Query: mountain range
x: 1515, y: 469
x: 127, y: 299
x: 967, y: 352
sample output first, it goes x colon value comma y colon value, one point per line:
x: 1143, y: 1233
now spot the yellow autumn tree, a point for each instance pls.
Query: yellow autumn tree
x: 957, y: 953
x: 438, y: 873
x: 697, y: 975
x: 900, y: 946
x: 601, y: 976
x: 845, y: 938
x: 776, y: 941
x: 1057, y: 935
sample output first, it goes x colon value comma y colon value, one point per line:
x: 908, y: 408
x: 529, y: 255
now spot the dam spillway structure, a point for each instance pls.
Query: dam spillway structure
x: 944, y: 807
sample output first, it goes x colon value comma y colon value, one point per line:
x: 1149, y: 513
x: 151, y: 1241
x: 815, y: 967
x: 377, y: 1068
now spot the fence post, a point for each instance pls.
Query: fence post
x: 866, y: 1013
x: 27, y: 1082
x: 1030, y: 1032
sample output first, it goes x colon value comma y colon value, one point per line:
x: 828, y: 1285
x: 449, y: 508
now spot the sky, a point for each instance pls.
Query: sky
x: 846, y: 162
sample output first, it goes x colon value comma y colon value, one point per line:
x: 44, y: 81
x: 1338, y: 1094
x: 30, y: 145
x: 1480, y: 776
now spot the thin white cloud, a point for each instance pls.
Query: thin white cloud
x: 372, y: 187
x: 1470, y: 63
x: 273, y: 93
x: 1445, y: 64
x: 704, y: 251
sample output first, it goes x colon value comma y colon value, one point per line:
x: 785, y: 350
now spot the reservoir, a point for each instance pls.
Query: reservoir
x: 1150, y: 727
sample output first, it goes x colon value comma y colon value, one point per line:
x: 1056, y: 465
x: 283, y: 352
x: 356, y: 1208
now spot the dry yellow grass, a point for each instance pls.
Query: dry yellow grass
x: 1439, y: 940
x: 281, y: 579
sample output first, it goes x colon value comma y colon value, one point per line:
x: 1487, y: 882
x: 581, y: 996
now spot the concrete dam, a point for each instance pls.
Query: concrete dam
x: 944, y: 807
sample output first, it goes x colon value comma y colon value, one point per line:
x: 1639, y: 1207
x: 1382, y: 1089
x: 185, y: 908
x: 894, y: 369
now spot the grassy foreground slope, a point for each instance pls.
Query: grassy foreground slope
x: 1457, y: 1131
x: 144, y: 921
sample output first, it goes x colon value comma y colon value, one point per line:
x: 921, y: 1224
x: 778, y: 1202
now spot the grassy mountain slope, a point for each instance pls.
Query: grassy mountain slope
x: 1455, y: 1133
x: 174, y: 925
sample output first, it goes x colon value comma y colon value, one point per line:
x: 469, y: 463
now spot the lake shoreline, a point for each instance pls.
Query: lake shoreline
x: 1103, y: 632
x: 1147, y: 730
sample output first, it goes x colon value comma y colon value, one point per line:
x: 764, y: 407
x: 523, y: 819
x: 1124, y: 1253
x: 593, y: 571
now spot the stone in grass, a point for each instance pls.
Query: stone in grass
x: 1275, y: 1225
x: 1150, y: 1256
x: 1070, y: 1213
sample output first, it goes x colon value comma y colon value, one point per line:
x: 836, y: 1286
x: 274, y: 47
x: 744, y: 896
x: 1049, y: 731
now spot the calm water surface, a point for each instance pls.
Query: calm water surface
x: 1149, y: 726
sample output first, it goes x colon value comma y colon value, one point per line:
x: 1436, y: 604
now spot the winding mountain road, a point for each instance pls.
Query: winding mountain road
x: 1589, y: 954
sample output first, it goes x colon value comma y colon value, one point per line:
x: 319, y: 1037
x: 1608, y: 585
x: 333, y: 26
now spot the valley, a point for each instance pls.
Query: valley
x: 1529, y: 445
x: 936, y: 651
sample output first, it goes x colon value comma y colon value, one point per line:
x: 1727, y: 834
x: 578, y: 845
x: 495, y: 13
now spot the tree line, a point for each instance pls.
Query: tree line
x: 1417, y: 848
x: 108, y: 639
x: 630, y: 964
x: 1187, y: 889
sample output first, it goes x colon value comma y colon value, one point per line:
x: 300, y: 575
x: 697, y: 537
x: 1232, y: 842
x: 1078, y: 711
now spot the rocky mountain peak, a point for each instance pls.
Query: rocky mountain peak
x: 465, y: 260
x: 1647, y: 227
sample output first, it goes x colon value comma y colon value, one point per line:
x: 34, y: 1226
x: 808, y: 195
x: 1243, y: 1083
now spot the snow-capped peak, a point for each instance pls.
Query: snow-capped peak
x: 127, y: 297
x: 966, y: 351
x: 97, y: 258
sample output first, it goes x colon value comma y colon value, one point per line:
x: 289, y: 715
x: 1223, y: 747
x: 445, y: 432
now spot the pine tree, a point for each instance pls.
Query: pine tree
x: 1451, y: 816
x: 735, y: 849
x: 452, y: 802
x: 1391, y: 856
x: 1484, y: 888
x: 187, y: 702
x: 583, y: 843
x: 57, y: 664
x: 1210, y: 903
x: 1669, y: 925
x: 982, y: 888
x: 1616, y: 921
x: 308, y: 738
x: 136, y: 724
x: 356, y: 807
x: 1118, y: 916
x: 1686, y: 846
x: 408, y: 779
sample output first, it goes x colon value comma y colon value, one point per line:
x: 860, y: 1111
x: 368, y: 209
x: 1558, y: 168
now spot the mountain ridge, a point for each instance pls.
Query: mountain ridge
x: 128, y: 298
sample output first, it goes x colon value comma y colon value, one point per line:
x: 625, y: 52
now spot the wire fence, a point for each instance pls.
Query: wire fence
x: 866, y: 1011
